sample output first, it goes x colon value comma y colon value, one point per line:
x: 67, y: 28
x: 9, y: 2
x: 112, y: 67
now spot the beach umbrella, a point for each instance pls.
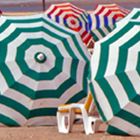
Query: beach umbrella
x: 103, y: 19
x: 115, y: 76
x: 72, y: 17
x: 134, y: 14
x: 42, y: 65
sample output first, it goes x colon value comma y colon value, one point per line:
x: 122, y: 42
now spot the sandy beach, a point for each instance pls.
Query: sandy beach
x: 51, y: 133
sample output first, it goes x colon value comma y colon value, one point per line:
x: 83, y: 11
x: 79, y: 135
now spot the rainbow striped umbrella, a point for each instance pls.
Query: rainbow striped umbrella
x: 72, y: 17
x: 103, y: 19
x: 42, y: 65
x: 115, y: 79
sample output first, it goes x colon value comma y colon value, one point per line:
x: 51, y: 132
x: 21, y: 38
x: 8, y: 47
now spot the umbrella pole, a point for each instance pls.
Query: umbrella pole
x: 43, y: 4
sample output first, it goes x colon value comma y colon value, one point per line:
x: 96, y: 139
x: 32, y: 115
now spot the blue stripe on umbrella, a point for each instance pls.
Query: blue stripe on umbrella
x: 97, y: 22
x: 57, y: 19
x: 90, y: 22
x: 65, y: 21
x: 114, y: 21
x: 106, y: 21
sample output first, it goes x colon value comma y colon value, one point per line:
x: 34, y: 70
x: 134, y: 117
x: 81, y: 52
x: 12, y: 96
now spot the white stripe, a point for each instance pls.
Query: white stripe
x: 45, y: 120
x: 129, y: 16
x: 70, y: 12
x: 132, y: 58
x: 102, y: 101
x: 118, y: 90
x: 68, y: 94
x: 14, y: 115
x: 31, y: 62
x: 76, y: 25
x: 125, y: 126
x: 134, y: 78
x: 19, y: 75
x: 18, y: 97
x: 9, y: 30
x: 114, y: 51
x: 95, y: 60
x: 133, y: 108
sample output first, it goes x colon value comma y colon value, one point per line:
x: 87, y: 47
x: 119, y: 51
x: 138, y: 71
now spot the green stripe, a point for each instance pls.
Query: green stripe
x: 42, y: 112
x: 95, y: 37
x: 103, y: 34
x: 32, y: 73
x: 8, y: 121
x: 129, y: 117
x: 138, y: 64
x: 14, y: 105
x: 120, y: 70
x: 115, y: 131
x: 110, y: 95
x: 50, y: 23
x: 109, y: 29
x: 136, y: 100
x: 96, y: 102
x: 104, y: 54
x: 77, y: 97
x: 63, y: 87
x: 136, y: 15
x: 28, y: 91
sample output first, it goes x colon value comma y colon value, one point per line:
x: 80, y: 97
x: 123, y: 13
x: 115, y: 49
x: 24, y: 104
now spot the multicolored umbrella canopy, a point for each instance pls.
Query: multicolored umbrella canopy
x: 115, y: 79
x: 72, y: 17
x: 42, y: 65
x: 104, y: 18
x: 134, y: 14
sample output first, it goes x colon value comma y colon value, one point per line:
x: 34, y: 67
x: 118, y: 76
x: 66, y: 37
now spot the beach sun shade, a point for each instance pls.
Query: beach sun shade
x: 115, y: 79
x: 134, y: 14
x: 42, y: 65
x: 104, y: 18
x: 72, y: 17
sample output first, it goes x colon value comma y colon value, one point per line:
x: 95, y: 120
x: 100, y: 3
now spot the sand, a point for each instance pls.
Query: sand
x: 51, y: 133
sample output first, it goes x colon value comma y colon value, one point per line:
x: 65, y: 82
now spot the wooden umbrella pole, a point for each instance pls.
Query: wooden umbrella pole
x: 44, y: 6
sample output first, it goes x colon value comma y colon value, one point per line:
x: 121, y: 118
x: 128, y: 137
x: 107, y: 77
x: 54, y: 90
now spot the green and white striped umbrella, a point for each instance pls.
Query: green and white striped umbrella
x: 42, y: 65
x: 115, y: 76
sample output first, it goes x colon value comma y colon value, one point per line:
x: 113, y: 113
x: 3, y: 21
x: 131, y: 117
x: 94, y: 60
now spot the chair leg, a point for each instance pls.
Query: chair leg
x: 94, y: 123
x: 71, y: 119
x: 61, y: 122
x: 85, y: 121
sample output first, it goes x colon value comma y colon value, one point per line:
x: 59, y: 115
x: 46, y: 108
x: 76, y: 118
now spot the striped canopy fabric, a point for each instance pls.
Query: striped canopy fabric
x: 42, y: 65
x: 134, y: 14
x: 103, y: 19
x: 72, y: 17
x: 115, y: 75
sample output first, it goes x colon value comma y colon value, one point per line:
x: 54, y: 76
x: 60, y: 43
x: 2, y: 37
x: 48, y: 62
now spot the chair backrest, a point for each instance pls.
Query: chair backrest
x: 88, y: 102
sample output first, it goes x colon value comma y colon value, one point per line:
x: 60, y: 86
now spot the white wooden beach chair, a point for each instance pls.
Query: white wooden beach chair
x: 66, y: 115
